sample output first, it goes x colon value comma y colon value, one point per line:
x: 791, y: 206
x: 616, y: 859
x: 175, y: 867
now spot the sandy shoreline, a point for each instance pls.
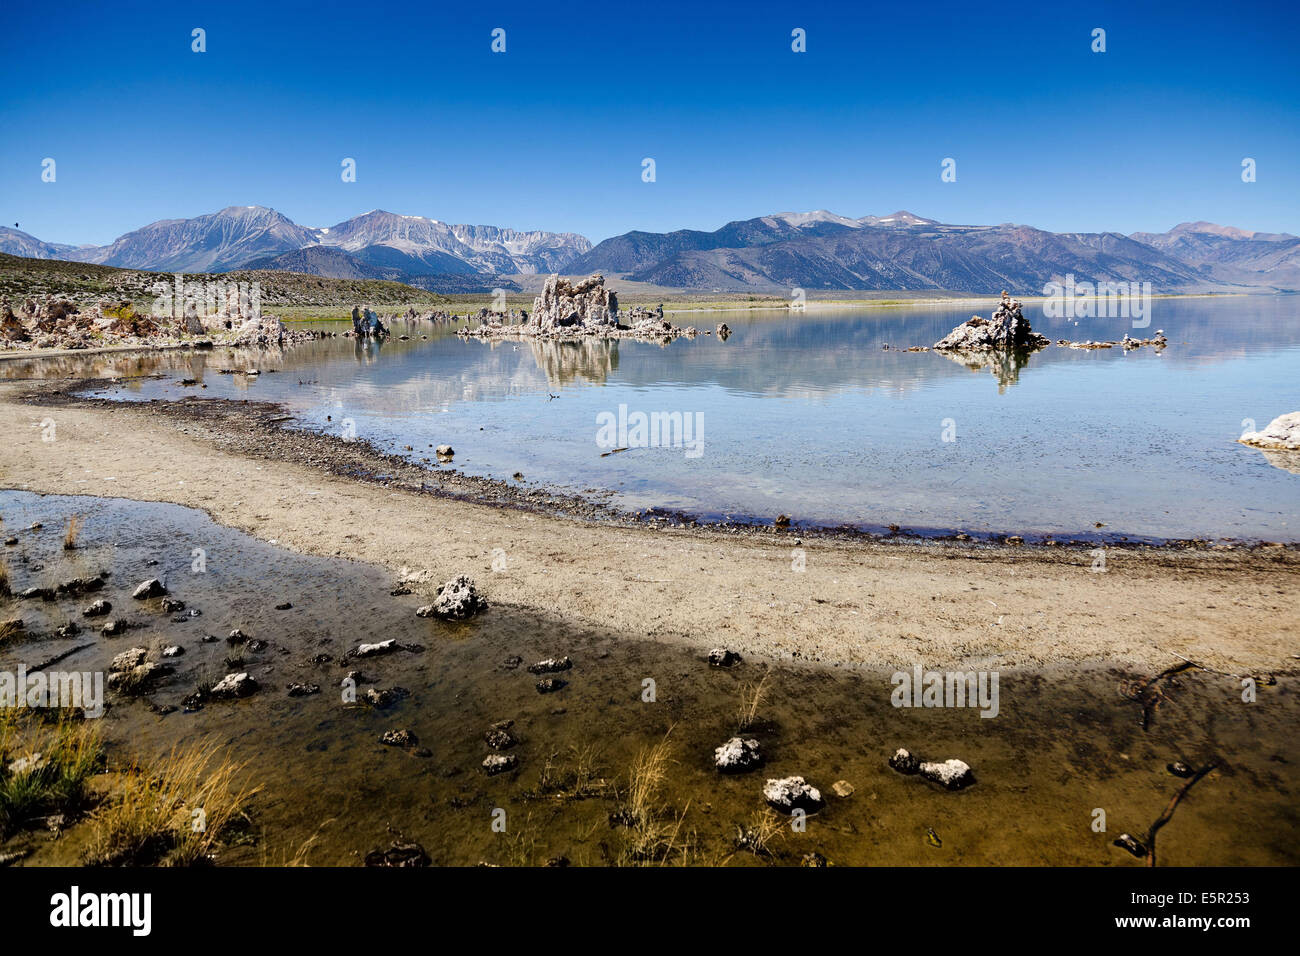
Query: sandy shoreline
x: 858, y: 603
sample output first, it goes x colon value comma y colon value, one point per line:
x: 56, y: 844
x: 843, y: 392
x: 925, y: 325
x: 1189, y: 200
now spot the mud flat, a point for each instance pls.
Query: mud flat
x: 598, y: 774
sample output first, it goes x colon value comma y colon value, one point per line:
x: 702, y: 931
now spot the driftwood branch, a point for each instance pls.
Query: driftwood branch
x: 1168, y: 814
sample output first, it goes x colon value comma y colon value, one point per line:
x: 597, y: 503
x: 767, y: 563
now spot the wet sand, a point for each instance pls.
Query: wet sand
x: 859, y: 603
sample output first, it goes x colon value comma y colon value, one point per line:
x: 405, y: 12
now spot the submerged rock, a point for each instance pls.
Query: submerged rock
x: 549, y: 685
x: 904, y: 762
x: 788, y: 794
x: 494, y: 764
x: 737, y: 755
x: 950, y: 774
x: 1007, y: 330
x: 149, y: 589
x: 400, y: 854
x: 551, y: 665
x: 398, y: 738
x: 499, y: 737
x: 1132, y: 844
x: 234, y: 685
x: 1282, y: 433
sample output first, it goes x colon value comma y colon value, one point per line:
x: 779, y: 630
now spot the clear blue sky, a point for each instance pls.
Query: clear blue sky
x: 551, y: 134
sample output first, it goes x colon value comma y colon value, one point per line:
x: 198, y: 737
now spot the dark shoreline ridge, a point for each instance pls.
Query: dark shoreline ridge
x: 257, y: 429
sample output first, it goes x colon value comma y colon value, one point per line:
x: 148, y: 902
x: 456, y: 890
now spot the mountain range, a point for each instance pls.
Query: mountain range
x: 814, y: 251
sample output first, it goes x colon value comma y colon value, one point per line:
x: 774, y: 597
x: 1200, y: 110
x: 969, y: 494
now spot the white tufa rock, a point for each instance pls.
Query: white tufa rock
x: 788, y: 794
x: 952, y: 774
x: 737, y: 755
x: 1282, y: 433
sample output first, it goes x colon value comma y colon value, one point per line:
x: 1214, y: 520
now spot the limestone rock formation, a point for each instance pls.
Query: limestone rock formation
x: 1007, y: 330
x: 1282, y: 433
x: 585, y: 305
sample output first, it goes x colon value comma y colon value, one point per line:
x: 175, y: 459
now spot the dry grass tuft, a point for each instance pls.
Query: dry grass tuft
x: 60, y: 760
x: 157, y: 818
x: 73, y: 530
x: 751, y: 698
x: 654, y: 830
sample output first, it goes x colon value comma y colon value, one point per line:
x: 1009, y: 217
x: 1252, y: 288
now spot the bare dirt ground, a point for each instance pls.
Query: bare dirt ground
x: 858, y: 603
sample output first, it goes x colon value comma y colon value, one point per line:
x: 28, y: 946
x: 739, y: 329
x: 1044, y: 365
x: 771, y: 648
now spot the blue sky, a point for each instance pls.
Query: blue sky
x: 551, y: 134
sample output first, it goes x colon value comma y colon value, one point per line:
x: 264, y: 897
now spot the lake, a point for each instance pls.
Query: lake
x: 805, y: 414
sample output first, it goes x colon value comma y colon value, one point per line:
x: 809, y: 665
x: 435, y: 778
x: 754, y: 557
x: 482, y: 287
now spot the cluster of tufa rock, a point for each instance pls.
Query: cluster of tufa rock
x: 62, y: 324
x: 579, y: 309
x: 564, y: 305
x: 950, y: 774
x: 1007, y: 330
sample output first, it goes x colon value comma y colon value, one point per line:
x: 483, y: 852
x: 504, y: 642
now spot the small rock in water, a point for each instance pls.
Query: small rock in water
x: 400, y: 854
x: 44, y: 594
x: 499, y: 737
x: 722, y: 657
x: 285, y: 606
x: 1180, y: 769
x: 512, y: 663
x: 843, y: 788
x: 737, y: 755
x: 234, y: 685
x: 456, y: 600
x: 236, y: 637
x: 128, y: 660
x: 68, y: 630
x: 303, y: 690
x: 114, y: 628
x: 494, y: 764
x: 398, y: 738
x: 904, y: 762
x: 173, y: 650
x: 551, y: 665
x: 149, y: 589
x: 1128, y: 842
x: 813, y: 859
x: 373, y: 650
x: 549, y: 685
x: 445, y: 452
x: 950, y: 774
x: 788, y: 794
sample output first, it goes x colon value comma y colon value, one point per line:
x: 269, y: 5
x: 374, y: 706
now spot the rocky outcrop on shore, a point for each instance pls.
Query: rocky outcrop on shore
x: 1006, y: 330
x: 63, y: 324
x: 1281, y: 434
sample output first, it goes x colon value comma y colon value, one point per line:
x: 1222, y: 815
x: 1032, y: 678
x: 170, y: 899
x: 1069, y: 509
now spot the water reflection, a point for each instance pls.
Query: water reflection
x: 1005, y: 366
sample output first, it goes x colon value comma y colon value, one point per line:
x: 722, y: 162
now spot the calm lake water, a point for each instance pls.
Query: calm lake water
x: 807, y: 415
